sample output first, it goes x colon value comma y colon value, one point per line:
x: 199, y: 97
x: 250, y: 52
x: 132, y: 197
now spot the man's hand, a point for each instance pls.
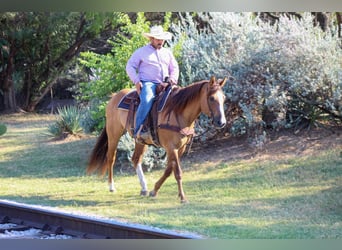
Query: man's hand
x: 172, y: 82
x: 138, y: 87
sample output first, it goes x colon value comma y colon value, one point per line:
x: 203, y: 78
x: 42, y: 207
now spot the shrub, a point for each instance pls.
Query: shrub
x: 68, y: 122
x: 282, y: 75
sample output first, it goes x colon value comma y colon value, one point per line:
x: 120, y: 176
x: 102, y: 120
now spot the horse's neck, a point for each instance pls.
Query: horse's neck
x: 191, y: 112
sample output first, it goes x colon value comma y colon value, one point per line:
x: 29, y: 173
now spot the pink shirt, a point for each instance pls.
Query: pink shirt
x: 150, y: 64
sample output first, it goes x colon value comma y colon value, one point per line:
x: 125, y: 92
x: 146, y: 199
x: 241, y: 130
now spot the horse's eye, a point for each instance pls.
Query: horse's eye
x: 211, y: 98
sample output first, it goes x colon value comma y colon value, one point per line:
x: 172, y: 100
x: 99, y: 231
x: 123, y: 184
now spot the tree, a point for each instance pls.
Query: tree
x: 37, y: 47
x: 7, y: 54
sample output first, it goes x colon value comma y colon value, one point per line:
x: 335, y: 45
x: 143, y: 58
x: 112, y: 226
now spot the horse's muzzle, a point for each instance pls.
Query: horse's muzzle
x: 219, y: 122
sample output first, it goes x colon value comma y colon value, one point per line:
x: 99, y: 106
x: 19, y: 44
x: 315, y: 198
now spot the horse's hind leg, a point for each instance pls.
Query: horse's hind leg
x: 113, y: 141
x: 137, y: 160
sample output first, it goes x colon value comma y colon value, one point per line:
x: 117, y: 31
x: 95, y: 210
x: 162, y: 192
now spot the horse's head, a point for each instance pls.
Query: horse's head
x: 215, y: 101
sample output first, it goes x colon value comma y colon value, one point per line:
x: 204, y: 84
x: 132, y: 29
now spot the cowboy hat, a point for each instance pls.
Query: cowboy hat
x: 158, y: 33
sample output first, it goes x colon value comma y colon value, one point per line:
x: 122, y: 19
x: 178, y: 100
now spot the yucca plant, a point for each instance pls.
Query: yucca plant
x: 68, y: 122
x: 3, y: 128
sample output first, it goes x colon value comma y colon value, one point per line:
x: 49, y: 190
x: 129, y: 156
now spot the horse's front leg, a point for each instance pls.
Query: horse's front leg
x: 160, y: 182
x: 137, y: 160
x: 173, y: 164
x: 177, y: 171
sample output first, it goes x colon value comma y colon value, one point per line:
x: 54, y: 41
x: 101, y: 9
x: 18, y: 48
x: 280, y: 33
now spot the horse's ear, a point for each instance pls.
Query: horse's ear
x: 223, y: 82
x: 212, y: 80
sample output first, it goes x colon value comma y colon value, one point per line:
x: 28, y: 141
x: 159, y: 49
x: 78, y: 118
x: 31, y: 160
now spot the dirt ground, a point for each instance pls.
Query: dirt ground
x: 282, y: 145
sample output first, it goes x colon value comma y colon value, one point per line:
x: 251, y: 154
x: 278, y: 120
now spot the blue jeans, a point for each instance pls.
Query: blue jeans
x: 147, y: 95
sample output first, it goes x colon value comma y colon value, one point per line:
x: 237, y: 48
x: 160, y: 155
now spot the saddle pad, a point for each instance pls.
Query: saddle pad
x: 127, y: 99
x: 165, y: 96
x: 133, y: 95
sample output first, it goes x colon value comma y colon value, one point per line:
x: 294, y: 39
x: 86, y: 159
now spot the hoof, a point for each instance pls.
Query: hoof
x: 153, y: 193
x: 184, y: 201
x: 143, y: 193
x: 111, y: 187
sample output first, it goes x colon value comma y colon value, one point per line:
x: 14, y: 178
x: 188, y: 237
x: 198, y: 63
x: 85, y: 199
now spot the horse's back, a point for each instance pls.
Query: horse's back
x: 117, y: 96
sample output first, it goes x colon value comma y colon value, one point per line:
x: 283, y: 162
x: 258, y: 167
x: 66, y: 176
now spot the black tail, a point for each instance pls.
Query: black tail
x: 99, y: 155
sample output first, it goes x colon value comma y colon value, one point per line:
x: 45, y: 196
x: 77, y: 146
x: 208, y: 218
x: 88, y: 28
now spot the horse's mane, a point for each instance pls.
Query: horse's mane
x: 183, y: 96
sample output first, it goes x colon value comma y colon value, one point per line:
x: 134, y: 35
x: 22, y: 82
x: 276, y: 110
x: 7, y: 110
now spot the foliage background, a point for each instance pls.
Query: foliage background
x: 287, y: 74
x: 283, y: 74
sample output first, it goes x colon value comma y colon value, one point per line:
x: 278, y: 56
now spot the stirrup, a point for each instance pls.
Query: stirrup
x: 142, y: 135
x: 138, y: 134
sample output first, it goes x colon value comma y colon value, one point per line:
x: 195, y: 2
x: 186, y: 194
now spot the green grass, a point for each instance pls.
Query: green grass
x: 286, y: 198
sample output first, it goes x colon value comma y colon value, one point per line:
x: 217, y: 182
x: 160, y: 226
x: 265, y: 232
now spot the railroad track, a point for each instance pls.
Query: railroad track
x: 74, y: 226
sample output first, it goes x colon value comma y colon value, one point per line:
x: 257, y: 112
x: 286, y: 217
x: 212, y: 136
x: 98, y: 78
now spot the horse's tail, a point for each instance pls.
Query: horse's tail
x: 99, y: 155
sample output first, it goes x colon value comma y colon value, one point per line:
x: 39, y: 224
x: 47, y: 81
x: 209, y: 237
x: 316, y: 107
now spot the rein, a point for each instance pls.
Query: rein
x: 184, y: 131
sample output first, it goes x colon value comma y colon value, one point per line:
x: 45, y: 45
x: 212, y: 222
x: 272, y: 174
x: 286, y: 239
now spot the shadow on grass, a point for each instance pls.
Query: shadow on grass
x: 46, y: 200
x: 300, y: 201
x: 242, y: 210
x: 48, y: 160
x: 309, y: 216
x: 79, y: 202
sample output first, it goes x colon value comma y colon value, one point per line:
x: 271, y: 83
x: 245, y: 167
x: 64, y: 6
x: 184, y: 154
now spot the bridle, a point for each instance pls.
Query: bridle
x: 213, y: 89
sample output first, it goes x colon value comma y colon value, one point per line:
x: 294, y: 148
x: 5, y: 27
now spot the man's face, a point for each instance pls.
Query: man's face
x: 157, y: 43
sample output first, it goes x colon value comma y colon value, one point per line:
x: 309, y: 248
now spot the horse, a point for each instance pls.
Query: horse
x: 175, y: 129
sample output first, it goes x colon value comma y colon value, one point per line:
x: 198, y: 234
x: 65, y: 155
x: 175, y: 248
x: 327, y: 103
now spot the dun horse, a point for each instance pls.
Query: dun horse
x: 175, y: 129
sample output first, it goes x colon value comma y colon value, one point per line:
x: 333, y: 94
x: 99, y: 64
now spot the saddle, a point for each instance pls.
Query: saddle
x: 131, y: 101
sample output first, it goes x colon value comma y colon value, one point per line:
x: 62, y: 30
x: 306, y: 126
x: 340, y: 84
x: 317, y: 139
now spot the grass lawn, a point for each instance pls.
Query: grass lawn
x: 294, y: 197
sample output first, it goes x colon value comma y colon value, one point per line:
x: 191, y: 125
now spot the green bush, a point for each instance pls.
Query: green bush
x: 3, y: 129
x: 68, y: 122
x: 284, y: 75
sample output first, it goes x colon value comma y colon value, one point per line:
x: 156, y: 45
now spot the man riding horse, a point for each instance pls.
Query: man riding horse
x: 148, y: 67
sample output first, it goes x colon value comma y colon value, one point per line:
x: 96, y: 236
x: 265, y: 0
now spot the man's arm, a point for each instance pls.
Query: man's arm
x: 132, y: 68
x: 173, y: 70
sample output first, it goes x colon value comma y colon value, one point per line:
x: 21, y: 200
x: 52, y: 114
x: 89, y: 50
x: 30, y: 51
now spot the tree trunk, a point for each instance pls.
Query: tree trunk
x: 321, y: 19
x: 339, y: 24
x: 10, y: 104
x: 36, y: 100
x: 6, y: 82
x: 57, y: 65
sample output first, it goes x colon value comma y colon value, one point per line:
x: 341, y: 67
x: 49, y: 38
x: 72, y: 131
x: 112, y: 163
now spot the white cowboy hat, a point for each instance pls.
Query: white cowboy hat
x: 158, y: 33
